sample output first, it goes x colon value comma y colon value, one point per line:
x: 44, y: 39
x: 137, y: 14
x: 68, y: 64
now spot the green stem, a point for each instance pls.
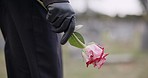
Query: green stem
x: 82, y: 44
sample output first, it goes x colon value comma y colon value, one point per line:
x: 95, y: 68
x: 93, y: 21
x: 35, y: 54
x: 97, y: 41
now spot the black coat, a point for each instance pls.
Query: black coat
x: 32, y: 50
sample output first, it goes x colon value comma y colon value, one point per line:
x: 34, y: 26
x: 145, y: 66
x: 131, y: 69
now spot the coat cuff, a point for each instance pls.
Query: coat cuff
x: 47, y: 2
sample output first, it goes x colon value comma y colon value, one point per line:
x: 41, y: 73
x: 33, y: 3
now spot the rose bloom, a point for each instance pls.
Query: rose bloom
x: 94, y: 54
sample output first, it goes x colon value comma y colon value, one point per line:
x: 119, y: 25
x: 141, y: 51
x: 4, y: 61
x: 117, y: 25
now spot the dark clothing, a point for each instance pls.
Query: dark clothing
x: 32, y: 50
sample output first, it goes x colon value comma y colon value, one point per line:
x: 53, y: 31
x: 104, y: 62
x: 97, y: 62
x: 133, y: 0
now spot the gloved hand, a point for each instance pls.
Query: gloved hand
x: 62, y: 18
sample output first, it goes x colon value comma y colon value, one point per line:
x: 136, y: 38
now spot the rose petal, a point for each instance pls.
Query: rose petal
x: 94, y: 54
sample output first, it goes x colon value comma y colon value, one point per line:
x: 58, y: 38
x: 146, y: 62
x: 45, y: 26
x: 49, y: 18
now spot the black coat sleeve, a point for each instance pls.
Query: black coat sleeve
x: 46, y: 2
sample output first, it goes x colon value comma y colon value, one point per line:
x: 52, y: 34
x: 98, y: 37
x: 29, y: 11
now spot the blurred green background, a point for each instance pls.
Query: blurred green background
x: 121, y: 26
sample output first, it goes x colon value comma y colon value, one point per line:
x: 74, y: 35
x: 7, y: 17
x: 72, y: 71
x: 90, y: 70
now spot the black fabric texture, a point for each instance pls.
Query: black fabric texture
x: 32, y: 50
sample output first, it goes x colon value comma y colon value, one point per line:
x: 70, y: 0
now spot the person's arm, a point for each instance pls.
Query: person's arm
x: 61, y: 16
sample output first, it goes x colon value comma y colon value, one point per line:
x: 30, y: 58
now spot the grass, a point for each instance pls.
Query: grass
x: 76, y: 68
x: 2, y: 66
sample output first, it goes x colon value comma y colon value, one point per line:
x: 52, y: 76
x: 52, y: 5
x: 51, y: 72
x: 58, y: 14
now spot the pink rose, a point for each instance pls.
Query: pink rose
x: 94, y: 54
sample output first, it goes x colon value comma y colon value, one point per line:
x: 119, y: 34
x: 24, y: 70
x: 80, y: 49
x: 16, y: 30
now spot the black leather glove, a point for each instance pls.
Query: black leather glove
x: 62, y: 18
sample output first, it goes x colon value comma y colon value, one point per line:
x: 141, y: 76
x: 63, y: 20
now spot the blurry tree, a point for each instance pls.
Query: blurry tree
x: 145, y: 35
x: 89, y: 12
